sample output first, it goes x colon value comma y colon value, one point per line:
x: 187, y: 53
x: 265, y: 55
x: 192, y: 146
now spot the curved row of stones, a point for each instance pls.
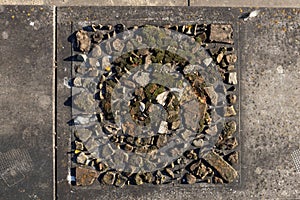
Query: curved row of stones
x: 90, y: 92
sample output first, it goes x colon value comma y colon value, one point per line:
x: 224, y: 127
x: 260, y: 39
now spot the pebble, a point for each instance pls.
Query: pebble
x: 77, y: 82
x: 118, y: 45
x: 198, y: 143
x: 212, y: 130
x: 81, y: 158
x: 120, y: 180
x: 108, y: 178
x: 207, y: 61
x: 231, y: 58
x: 233, y: 157
x: 138, y: 179
x: 96, y: 51
x: 220, y: 57
x: 161, y: 98
x: 221, y: 33
x: 229, y: 111
x: 232, y: 78
x: 163, y: 128
x: 83, y: 40
x: 231, y: 98
x: 85, y: 177
x: 170, y: 172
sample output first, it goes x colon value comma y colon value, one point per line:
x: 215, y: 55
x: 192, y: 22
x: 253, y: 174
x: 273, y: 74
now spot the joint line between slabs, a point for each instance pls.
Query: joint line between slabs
x: 54, y: 102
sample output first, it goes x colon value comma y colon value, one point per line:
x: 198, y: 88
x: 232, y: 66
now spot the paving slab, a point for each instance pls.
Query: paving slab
x: 250, y: 3
x: 268, y: 47
x: 26, y: 161
x: 96, y: 3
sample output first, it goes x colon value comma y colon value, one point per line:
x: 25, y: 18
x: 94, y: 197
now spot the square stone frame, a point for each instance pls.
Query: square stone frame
x: 70, y: 17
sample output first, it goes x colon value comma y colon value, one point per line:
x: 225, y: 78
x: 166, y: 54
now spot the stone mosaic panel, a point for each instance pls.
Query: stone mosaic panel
x: 155, y: 104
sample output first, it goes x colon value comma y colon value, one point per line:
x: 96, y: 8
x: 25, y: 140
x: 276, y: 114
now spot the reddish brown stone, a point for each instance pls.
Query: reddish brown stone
x: 85, y: 177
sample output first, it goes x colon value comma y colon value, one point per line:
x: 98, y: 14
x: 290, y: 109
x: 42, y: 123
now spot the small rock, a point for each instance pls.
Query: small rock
x: 227, y: 172
x: 207, y: 61
x: 232, y: 78
x: 161, y: 98
x: 220, y: 57
x: 159, y: 178
x: 231, y: 98
x: 105, y: 62
x: 97, y: 37
x: 198, y: 142
x: 77, y: 82
x: 231, y: 143
x: 147, y: 177
x: 175, y: 125
x: 118, y: 45
x: 79, y: 145
x: 229, y: 111
x: 160, y: 141
x: 211, y: 130
x: 212, y: 95
x: 233, y: 157
x: 142, y: 107
x: 101, y: 166
x: 221, y: 33
x: 231, y: 58
x: 83, y: 134
x: 82, y: 120
x: 229, y: 129
x: 81, y: 158
x: 85, y: 177
x: 138, y: 179
x: 108, y: 178
x: 163, y: 128
x: 96, y: 51
x: 120, y: 180
x: 83, y: 41
x: 170, y: 172
x: 189, y: 179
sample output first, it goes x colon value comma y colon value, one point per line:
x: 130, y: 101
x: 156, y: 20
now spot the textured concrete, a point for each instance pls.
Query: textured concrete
x: 268, y: 47
x: 248, y: 3
x: 26, y: 121
x: 96, y: 3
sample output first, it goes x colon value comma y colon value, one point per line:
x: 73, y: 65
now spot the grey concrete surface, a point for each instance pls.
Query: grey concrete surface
x: 268, y: 47
x: 249, y: 3
x: 26, y: 123
x: 207, y: 3
x: 96, y: 3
